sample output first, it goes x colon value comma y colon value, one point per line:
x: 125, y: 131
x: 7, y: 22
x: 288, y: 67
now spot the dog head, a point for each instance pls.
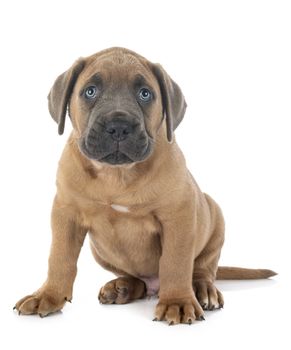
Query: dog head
x: 117, y: 102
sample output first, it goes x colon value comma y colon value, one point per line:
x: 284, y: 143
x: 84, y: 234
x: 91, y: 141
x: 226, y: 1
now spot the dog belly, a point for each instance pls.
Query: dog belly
x: 123, y: 243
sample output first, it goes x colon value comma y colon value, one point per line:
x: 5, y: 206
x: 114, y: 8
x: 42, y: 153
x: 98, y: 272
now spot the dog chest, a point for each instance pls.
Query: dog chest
x: 131, y: 244
x: 120, y: 208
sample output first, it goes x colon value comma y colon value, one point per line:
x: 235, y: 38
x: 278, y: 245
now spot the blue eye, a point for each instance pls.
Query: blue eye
x: 145, y: 95
x: 91, y: 92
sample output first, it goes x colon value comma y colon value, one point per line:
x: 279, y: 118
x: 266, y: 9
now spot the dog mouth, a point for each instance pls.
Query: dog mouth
x: 115, y: 153
x: 116, y: 158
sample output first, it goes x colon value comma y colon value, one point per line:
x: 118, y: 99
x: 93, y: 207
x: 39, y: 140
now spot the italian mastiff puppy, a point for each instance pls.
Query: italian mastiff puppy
x: 123, y: 180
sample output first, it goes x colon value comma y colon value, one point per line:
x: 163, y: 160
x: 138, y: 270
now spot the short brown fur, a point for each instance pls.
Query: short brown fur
x: 172, y: 232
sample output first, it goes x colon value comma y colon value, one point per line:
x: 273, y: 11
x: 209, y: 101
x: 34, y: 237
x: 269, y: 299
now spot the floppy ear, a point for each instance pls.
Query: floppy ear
x: 60, y: 94
x: 174, y: 104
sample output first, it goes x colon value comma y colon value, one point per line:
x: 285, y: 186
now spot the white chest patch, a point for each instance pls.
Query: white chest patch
x: 120, y: 208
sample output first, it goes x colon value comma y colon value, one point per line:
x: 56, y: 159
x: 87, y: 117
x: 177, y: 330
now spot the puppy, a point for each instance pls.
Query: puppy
x: 123, y: 180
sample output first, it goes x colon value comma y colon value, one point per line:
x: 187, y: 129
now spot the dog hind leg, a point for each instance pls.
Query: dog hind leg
x: 206, y: 264
x: 122, y: 290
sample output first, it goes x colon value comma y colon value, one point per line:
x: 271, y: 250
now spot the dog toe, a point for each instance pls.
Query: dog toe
x: 209, y: 297
x: 121, y: 291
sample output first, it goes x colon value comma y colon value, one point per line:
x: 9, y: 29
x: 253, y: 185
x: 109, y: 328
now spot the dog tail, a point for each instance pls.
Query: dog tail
x: 239, y: 273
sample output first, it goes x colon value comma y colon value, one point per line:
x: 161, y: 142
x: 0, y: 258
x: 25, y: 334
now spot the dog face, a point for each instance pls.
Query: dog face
x: 116, y: 107
x: 117, y: 102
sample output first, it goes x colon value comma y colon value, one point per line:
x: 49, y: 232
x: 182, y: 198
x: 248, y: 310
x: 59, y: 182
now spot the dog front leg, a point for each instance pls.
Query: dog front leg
x: 67, y: 240
x: 177, y: 301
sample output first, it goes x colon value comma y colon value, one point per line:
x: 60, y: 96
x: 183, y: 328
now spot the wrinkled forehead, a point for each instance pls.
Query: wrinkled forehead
x: 120, y: 68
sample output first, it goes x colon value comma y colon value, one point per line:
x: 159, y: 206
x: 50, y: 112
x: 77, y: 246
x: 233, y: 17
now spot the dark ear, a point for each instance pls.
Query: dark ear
x: 174, y: 104
x: 60, y: 94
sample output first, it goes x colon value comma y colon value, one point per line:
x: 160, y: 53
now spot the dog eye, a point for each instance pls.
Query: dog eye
x: 145, y: 95
x: 91, y: 92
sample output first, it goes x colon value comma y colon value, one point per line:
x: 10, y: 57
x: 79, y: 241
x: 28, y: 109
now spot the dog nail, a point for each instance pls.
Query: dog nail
x: 68, y: 300
x: 171, y: 323
x: 201, y: 318
x: 220, y: 306
x: 155, y: 319
x: 19, y: 312
x: 14, y: 308
x: 189, y: 321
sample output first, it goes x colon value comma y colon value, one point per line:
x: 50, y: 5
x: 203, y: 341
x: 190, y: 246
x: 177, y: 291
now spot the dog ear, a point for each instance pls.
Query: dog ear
x: 60, y: 93
x: 174, y: 104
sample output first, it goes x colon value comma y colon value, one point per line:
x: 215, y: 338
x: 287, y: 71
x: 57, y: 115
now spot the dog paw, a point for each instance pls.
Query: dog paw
x: 42, y: 302
x: 208, y: 295
x: 175, y: 311
x: 121, y: 291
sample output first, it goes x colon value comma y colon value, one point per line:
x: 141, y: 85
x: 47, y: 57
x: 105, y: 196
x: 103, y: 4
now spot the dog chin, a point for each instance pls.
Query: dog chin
x: 116, y: 158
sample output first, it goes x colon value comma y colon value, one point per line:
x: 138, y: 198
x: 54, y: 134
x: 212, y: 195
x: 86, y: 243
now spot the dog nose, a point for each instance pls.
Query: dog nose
x: 119, y: 129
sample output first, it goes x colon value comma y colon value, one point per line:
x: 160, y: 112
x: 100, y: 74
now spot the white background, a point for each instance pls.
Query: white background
x: 232, y: 60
